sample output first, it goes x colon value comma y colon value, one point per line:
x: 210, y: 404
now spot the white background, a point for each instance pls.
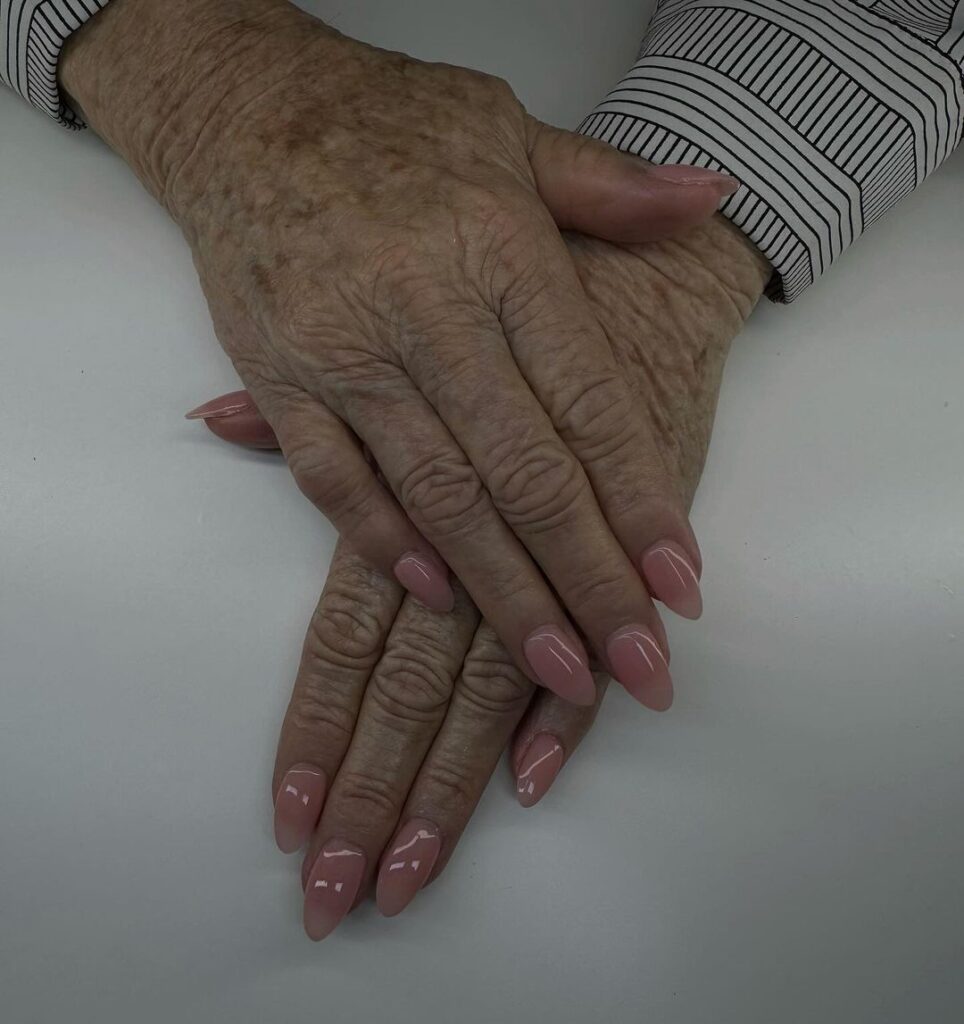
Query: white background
x: 786, y: 845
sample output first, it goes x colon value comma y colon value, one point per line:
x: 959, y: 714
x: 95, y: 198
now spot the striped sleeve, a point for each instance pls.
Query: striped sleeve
x: 32, y: 33
x: 829, y: 112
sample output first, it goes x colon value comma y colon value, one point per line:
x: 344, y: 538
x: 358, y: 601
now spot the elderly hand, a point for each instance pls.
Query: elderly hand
x: 398, y: 717
x: 377, y: 240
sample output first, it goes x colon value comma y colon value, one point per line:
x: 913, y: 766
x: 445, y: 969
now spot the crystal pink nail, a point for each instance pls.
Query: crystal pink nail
x: 680, y: 174
x: 425, y: 577
x: 560, y: 664
x: 297, y: 806
x: 225, y: 405
x: 640, y: 665
x: 332, y: 886
x: 538, y: 769
x: 407, y: 865
x: 671, y: 577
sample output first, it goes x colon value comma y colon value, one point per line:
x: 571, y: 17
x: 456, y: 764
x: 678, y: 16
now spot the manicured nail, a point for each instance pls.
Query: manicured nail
x: 426, y: 578
x: 672, y: 578
x: 680, y: 174
x: 640, y: 665
x: 226, y: 405
x: 332, y: 887
x: 407, y: 865
x: 560, y: 664
x: 538, y: 769
x: 297, y: 806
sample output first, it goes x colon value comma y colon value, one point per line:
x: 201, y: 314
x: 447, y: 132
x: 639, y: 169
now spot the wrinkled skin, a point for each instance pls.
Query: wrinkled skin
x: 378, y: 242
x: 406, y: 712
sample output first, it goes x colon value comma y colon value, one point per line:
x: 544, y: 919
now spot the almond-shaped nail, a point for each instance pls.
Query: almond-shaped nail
x: 426, y: 578
x: 670, y: 575
x: 538, y: 769
x: 332, y: 886
x: 407, y: 865
x: 560, y: 664
x: 680, y: 174
x: 298, y: 806
x: 225, y: 405
x: 639, y: 664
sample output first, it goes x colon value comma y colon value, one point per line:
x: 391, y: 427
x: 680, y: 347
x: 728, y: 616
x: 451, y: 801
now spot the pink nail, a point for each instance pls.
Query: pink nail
x: 226, y: 405
x: 427, y: 579
x: 640, y: 665
x: 332, y: 887
x: 297, y: 806
x: 407, y: 865
x: 672, y: 578
x: 560, y: 664
x: 680, y: 174
x: 538, y: 769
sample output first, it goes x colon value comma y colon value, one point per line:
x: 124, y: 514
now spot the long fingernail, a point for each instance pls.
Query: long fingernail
x: 426, y: 578
x: 332, y: 887
x: 560, y: 664
x: 226, y: 405
x: 672, y: 578
x: 680, y: 174
x: 538, y: 769
x: 297, y: 806
x: 407, y: 865
x: 640, y: 665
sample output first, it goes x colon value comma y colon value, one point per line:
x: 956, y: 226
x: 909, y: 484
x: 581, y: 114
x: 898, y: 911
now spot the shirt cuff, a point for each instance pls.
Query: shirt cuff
x: 34, y: 32
x: 828, y: 112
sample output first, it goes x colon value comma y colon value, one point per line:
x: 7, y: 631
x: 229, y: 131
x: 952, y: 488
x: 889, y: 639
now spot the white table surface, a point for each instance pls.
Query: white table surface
x: 787, y: 845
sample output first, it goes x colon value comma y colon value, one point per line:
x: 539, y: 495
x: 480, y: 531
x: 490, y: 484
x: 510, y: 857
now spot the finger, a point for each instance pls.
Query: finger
x: 489, y: 699
x: 443, y: 495
x: 330, y: 468
x: 236, y: 419
x: 404, y: 705
x: 538, y: 485
x: 546, y: 739
x: 344, y: 642
x: 591, y: 187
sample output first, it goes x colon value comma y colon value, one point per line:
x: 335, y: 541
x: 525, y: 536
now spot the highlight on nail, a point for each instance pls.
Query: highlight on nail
x: 426, y: 578
x: 538, y: 768
x: 560, y: 664
x: 670, y: 576
x: 298, y: 806
x: 406, y: 866
x: 638, y: 662
x: 332, y: 886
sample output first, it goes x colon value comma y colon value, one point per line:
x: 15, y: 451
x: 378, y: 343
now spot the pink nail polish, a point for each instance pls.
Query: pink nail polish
x: 407, y: 865
x: 332, y: 886
x: 671, y: 577
x: 680, y: 174
x: 560, y: 664
x: 426, y: 578
x: 298, y: 806
x: 538, y: 769
x: 226, y: 405
x: 640, y: 665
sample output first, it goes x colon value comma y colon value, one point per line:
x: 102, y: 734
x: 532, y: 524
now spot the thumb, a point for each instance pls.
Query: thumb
x: 235, y: 418
x: 588, y: 186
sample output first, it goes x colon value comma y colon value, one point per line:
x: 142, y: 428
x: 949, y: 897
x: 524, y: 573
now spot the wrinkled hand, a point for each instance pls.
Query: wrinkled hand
x: 377, y: 240
x: 398, y: 716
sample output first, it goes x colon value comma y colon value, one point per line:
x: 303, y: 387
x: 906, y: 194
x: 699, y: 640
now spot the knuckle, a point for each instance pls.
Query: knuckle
x: 599, y: 588
x: 599, y: 416
x: 492, y: 684
x: 538, y: 486
x: 411, y: 684
x: 452, y: 783
x: 316, y: 714
x: 365, y: 799
x: 321, y: 477
x: 444, y: 493
x: 345, y: 632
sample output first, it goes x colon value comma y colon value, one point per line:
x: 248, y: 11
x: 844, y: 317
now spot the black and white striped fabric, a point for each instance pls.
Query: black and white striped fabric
x: 828, y: 111
x: 32, y: 33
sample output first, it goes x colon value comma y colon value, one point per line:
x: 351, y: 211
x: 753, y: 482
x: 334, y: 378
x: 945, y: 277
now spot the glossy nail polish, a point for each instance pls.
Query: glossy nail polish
x: 225, y: 405
x: 426, y: 578
x: 407, y: 865
x: 298, y: 806
x: 670, y: 576
x: 560, y: 664
x: 538, y: 769
x: 332, y: 887
x: 640, y: 665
